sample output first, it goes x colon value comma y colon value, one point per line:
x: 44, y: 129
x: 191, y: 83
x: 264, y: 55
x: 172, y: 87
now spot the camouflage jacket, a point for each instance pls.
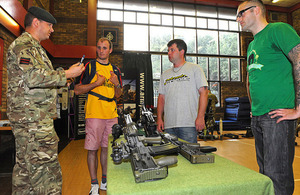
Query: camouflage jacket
x: 32, y: 81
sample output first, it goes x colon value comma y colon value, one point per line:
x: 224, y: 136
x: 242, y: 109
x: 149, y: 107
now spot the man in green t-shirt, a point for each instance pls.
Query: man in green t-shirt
x: 272, y: 58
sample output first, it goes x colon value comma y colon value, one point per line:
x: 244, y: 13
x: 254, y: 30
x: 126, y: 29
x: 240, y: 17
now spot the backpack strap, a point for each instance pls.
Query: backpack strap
x: 93, y: 72
x: 101, y: 97
x: 118, y: 73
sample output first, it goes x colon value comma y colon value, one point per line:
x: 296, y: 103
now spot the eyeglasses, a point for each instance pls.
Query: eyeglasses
x: 240, y: 14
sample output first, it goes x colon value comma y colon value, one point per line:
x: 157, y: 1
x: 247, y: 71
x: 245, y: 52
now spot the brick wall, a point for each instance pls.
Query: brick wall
x: 71, y: 27
x: 102, y: 25
x: 39, y: 3
x: 296, y: 19
x: 277, y: 17
x: 117, y: 56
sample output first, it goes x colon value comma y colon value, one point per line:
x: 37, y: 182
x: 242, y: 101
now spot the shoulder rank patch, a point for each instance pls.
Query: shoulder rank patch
x: 24, y: 61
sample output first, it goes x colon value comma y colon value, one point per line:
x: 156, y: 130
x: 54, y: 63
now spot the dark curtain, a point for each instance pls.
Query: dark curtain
x: 142, y: 63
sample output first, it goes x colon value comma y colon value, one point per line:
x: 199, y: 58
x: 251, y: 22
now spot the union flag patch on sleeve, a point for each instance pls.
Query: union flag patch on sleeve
x: 24, y: 61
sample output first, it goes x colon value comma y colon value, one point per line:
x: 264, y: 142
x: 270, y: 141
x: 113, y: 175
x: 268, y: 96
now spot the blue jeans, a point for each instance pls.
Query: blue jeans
x: 275, y: 150
x: 186, y: 133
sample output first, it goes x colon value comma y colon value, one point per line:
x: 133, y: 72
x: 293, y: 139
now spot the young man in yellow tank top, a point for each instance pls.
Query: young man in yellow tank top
x: 102, y: 81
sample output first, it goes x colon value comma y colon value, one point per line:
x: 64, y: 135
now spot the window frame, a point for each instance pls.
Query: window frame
x: 197, y: 17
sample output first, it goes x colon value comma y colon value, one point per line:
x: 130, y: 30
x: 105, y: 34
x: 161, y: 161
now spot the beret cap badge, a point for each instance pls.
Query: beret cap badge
x: 42, y: 14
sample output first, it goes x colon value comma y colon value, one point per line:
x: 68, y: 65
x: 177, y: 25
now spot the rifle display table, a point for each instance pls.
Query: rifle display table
x: 221, y: 177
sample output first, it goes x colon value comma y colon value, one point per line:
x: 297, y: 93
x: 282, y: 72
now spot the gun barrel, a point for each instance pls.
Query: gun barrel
x: 166, y: 161
x: 151, y: 140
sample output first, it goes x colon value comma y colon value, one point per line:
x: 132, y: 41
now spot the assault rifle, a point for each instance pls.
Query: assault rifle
x: 144, y: 166
x: 191, y: 151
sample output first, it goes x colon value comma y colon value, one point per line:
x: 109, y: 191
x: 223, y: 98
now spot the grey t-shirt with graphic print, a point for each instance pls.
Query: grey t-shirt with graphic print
x: 180, y: 87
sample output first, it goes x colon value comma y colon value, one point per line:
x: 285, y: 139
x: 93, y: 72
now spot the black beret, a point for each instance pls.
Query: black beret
x: 42, y: 14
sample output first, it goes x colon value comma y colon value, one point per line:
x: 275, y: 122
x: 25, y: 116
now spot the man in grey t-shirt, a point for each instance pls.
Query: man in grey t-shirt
x: 182, y: 95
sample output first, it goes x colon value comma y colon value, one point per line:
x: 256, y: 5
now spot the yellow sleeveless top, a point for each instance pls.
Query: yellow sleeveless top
x: 102, y: 109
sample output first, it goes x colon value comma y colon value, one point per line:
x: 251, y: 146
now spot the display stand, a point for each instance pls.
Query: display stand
x: 76, y: 117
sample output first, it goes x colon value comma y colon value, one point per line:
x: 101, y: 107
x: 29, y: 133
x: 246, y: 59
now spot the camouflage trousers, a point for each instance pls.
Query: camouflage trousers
x: 37, y: 170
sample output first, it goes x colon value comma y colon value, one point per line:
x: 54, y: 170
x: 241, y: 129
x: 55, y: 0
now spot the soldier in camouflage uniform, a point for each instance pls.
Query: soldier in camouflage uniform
x: 31, y: 97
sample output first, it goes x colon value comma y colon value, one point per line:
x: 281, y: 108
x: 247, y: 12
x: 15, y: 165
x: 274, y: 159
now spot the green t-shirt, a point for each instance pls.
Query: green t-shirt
x: 270, y: 71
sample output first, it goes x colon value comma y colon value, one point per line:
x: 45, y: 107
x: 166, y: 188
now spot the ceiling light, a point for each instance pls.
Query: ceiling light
x: 7, y: 17
x: 275, y: 1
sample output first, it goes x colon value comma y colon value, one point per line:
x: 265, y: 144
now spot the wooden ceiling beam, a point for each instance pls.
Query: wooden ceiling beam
x: 294, y: 8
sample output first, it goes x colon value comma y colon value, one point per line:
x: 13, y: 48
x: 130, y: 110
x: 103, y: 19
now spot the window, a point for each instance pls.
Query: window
x: 130, y: 17
x: 155, y: 19
x: 207, y: 11
x: 211, y: 34
x: 184, y: 9
x: 141, y: 5
x: 142, y: 18
x: 108, y: 4
x: 207, y: 42
x: 160, y: 7
x: 140, y: 36
x: 224, y: 69
x: 229, y: 43
x: 159, y: 36
x: 189, y: 36
x: 117, y: 16
x: 167, y: 20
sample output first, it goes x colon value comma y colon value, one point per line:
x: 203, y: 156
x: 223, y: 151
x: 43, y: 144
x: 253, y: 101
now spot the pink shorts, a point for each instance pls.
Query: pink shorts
x: 97, y: 131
